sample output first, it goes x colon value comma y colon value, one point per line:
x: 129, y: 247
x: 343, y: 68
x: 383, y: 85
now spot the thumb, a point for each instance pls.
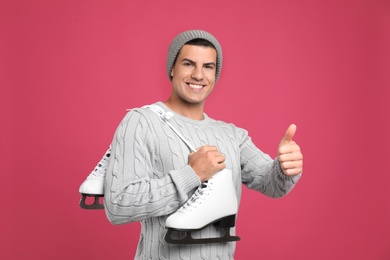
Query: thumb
x: 291, y: 130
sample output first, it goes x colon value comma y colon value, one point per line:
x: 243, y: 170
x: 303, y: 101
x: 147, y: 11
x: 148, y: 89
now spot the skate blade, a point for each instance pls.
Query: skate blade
x: 188, y: 239
x: 95, y: 205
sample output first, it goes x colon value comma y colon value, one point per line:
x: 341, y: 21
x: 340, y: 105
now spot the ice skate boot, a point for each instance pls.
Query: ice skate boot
x: 93, y: 185
x: 214, y: 202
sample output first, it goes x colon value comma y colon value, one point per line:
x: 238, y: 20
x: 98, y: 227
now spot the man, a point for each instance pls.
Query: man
x: 152, y: 172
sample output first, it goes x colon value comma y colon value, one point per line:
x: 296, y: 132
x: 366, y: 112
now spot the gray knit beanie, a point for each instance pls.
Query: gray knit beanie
x: 187, y: 36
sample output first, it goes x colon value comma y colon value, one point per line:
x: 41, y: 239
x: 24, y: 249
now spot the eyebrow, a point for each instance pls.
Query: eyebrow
x: 205, y: 64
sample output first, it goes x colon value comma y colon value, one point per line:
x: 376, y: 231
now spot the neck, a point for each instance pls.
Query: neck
x: 192, y: 111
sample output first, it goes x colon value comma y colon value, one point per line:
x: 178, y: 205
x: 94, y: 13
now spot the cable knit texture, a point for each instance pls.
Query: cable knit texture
x: 148, y: 177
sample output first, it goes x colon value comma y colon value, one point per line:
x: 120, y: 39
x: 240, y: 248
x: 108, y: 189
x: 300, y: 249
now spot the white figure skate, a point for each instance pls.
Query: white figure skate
x: 214, y: 202
x: 93, y: 185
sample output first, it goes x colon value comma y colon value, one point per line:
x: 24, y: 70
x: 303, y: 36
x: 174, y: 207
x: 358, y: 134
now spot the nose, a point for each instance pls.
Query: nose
x: 197, y: 74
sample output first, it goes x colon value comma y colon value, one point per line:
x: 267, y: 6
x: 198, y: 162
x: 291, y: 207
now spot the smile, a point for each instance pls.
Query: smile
x: 194, y: 86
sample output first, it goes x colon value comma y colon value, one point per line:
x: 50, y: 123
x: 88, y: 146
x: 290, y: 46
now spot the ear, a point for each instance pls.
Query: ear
x: 172, y: 72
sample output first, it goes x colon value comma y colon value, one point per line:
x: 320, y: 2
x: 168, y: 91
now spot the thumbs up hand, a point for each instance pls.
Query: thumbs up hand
x: 289, y: 153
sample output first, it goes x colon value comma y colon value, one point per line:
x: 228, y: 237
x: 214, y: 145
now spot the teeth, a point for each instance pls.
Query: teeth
x: 195, y: 86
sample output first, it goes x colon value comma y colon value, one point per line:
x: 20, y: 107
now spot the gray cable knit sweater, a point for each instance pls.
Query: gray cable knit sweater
x: 149, y: 177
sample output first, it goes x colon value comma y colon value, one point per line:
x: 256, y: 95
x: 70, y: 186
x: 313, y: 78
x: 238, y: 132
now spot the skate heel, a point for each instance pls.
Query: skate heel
x: 226, y: 222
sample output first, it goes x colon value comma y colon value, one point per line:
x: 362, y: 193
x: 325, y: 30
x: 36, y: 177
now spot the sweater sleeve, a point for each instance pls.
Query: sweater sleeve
x: 134, y: 190
x: 260, y: 172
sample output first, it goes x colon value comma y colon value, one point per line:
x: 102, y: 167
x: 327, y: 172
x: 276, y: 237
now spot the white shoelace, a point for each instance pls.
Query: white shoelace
x: 198, y: 197
x: 101, y: 167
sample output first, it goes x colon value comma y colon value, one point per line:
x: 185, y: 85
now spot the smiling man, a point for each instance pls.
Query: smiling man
x: 153, y: 171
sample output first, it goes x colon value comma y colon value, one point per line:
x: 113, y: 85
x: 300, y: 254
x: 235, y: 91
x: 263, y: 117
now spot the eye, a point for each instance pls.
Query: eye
x: 187, y: 64
x: 209, y: 67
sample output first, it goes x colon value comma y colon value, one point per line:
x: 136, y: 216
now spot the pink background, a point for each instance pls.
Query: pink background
x: 69, y: 69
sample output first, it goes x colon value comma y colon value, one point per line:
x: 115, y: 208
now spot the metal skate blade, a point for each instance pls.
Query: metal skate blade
x: 96, y: 202
x: 188, y: 239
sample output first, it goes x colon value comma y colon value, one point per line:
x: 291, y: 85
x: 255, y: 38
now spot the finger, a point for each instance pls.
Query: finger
x: 220, y: 158
x: 204, y: 149
x: 290, y: 157
x: 289, y: 148
x: 221, y: 166
x: 291, y: 165
x: 292, y: 172
x: 291, y: 130
x: 208, y: 148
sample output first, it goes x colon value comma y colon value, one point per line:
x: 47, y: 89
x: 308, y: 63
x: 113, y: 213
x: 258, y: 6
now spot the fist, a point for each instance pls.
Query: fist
x: 289, y: 153
x: 206, y: 161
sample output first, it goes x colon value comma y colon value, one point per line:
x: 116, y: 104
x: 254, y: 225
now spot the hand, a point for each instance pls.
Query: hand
x: 206, y: 161
x: 289, y: 153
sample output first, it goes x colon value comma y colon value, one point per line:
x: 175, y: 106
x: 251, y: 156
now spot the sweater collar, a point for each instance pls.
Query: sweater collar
x: 205, y: 120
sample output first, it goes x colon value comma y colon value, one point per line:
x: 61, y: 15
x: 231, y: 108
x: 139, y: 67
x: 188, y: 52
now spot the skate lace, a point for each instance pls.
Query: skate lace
x: 101, y: 167
x: 198, y: 197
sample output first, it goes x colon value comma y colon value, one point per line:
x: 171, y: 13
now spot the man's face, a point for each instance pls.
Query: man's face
x: 193, y: 75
